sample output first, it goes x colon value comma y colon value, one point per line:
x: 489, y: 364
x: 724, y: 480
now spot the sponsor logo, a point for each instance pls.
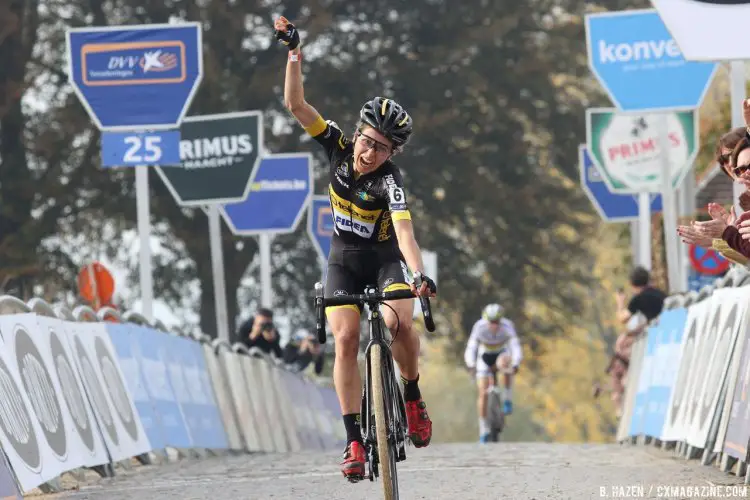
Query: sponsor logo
x: 643, y: 50
x: 363, y: 195
x: 405, y: 270
x: 133, y: 63
x: 343, y: 170
x: 347, y: 209
x: 212, y: 152
x: 339, y: 293
x: 387, y: 282
x: 385, y: 224
x: 280, y: 185
x: 353, y: 226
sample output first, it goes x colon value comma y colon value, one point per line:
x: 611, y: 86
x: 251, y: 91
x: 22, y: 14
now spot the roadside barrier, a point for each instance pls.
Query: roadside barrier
x: 688, y: 386
x: 81, y: 390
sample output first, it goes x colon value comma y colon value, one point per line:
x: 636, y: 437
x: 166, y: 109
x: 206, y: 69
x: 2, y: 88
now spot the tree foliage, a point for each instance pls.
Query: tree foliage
x: 497, y: 92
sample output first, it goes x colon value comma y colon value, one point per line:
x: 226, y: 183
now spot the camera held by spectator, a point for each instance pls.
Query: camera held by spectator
x: 302, y: 350
x: 259, y: 331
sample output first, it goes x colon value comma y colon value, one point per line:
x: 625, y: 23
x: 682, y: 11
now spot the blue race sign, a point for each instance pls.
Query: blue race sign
x: 140, y: 148
x: 136, y: 77
x: 640, y: 65
x: 610, y: 206
x: 279, y: 193
x: 320, y: 224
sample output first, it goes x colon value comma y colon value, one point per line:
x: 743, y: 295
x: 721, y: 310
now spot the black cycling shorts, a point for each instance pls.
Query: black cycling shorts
x: 352, y: 268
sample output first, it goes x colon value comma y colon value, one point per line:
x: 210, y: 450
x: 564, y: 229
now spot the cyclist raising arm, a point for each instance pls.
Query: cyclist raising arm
x: 373, y: 242
x: 493, y: 344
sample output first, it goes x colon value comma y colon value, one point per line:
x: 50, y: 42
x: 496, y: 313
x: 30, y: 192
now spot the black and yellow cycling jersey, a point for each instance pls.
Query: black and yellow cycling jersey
x: 363, y: 206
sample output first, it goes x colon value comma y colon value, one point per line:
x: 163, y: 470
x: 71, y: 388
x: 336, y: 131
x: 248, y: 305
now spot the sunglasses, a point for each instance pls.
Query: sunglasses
x: 741, y: 169
x: 369, y: 143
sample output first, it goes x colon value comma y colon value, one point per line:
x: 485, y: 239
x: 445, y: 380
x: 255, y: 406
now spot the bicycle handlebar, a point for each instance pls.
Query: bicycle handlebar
x: 369, y: 296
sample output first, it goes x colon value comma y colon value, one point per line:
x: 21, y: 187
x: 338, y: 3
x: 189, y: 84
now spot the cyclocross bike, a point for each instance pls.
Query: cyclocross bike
x: 495, y: 413
x: 383, y: 422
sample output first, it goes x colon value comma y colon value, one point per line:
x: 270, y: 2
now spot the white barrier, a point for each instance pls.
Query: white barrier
x: 689, y: 379
x: 93, y: 394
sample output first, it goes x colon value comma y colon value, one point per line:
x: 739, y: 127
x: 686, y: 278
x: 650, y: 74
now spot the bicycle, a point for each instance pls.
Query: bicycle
x: 495, y: 412
x: 383, y: 422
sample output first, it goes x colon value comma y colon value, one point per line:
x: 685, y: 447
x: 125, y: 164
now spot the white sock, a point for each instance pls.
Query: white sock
x: 508, y: 394
x: 483, y: 427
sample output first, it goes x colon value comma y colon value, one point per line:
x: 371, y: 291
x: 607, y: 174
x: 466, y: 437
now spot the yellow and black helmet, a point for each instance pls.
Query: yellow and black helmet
x: 389, y: 118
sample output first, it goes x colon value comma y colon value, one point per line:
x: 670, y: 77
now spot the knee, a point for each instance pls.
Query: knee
x: 347, y: 341
x: 404, y: 325
x: 503, y: 362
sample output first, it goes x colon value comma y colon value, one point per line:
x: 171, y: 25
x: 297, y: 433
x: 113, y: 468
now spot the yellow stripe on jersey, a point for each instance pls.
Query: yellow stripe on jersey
x: 347, y: 207
x: 396, y: 286
x: 493, y: 345
x: 401, y: 215
x: 317, y: 128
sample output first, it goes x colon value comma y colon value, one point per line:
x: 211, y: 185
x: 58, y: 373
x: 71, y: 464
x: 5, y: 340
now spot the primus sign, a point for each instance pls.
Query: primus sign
x: 626, y: 149
x: 639, y: 64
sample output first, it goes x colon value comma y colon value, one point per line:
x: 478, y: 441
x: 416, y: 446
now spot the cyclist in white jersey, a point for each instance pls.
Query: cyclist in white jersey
x: 493, y: 343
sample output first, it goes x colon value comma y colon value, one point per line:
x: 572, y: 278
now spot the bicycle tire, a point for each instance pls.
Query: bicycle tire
x: 386, y: 453
x: 496, y: 416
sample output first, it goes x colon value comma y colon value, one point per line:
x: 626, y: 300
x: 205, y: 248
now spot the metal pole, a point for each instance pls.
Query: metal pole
x: 144, y: 232
x: 737, y: 93
x: 634, y: 243
x: 688, y: 210
x: 266, y: 286
x: 644, y: 230
x: 669, y: 209
x: 217, y: 266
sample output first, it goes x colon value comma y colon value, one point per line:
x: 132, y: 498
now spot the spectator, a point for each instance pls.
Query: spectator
x: 259, y: 331
x: 645, y: 305
x: 647, y: 300
x: 725, y: 226
x: 302, y: 350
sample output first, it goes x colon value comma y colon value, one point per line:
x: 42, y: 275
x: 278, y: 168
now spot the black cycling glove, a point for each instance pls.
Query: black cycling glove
x: 419, y: 278
x: 290, y: 37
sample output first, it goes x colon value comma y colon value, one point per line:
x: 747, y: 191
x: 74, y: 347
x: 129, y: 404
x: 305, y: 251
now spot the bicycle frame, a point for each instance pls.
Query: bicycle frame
x: 398, y: 428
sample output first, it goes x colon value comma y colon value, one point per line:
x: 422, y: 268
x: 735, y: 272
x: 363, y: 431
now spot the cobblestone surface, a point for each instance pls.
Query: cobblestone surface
x: 464, y: 471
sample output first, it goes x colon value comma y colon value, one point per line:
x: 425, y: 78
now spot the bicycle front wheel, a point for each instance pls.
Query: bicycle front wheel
x: 383, y: 419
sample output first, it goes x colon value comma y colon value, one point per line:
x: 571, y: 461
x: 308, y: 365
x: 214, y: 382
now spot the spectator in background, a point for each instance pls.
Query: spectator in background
x: 645, y: 305
x: 259, y: 331
x: 646, y: 300
x: 303, y: 349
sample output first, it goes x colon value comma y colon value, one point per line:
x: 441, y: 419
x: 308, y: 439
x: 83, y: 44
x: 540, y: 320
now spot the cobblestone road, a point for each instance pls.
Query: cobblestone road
x: 467, y: 471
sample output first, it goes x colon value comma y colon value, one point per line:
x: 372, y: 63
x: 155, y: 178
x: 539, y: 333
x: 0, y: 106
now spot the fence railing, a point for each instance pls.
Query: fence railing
x: 101, y: 390
x: 689, y: 377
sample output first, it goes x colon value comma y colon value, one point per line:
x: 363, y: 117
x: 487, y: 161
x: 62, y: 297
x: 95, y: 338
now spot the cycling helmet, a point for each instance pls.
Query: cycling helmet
x: 493, y: 312
x: 389, y: 118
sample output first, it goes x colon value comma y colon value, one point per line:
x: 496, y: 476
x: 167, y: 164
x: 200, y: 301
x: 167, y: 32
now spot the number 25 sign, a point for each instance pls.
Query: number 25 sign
x: 128, y: 149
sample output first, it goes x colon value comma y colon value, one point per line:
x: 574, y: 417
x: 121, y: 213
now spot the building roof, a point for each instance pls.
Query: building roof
x: 713, y: 186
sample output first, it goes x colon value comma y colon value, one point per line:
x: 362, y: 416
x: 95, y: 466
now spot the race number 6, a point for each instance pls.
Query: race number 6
x: 143, y: 150
x: 397, y: 195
